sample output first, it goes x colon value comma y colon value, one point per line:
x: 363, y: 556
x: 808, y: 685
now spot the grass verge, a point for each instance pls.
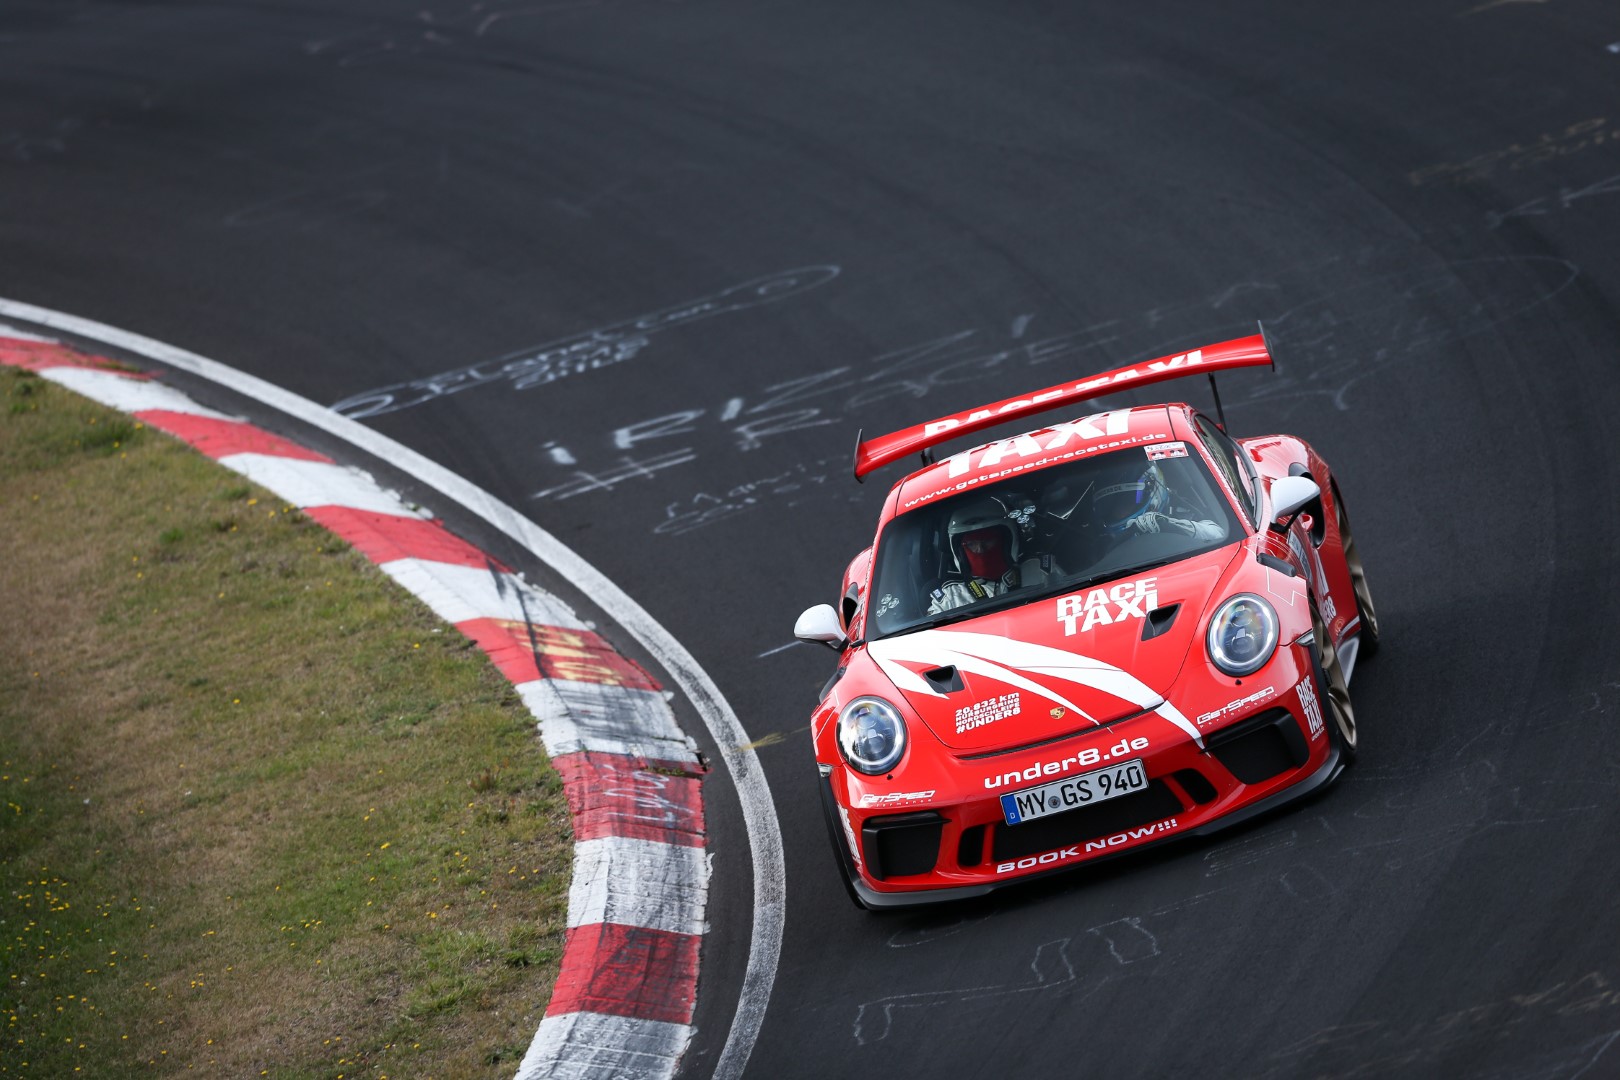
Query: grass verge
x: 261, y: 812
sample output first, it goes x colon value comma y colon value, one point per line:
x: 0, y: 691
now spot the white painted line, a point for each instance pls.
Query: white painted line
x: 459, y: 593
x: 594, y: 1046
x: 126, y: 394
x: 638, y: 883
x: 577, y: 716
x: 9, y: 331
x: 753, y: 792
x: 318, y: 483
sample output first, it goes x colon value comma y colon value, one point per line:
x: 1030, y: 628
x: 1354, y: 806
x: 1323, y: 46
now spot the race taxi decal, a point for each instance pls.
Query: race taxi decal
x: 1102, y: 607
x: 1163, y: 450
x: 1015, y: 663
x: 1313, y: 711
x: 1102, y: 843
x: 987, y: 712
x: 1231, y: 708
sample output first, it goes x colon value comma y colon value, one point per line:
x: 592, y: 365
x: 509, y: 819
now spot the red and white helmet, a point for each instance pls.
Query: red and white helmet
x: 983, y: 538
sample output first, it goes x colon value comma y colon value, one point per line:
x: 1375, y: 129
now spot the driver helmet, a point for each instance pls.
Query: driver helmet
x: 983, y: 539
x: 1114, y: 506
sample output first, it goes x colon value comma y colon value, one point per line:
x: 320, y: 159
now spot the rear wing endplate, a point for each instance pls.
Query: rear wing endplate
x: 1238, y: 353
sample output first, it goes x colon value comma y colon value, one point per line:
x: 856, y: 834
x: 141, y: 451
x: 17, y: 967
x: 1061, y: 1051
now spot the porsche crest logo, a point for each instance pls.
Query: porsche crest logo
x: 1057, y: 713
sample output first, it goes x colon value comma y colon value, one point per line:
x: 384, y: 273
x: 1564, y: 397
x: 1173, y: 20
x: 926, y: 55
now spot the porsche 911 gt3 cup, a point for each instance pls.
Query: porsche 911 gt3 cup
x: 1083, y: 640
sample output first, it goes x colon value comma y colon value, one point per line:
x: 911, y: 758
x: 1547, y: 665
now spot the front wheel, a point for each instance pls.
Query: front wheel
x: 1358, y: 579
x: 835, y: 834
x: 1341, y: 715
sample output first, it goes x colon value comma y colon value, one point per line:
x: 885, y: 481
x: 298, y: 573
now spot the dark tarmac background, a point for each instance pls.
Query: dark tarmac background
x: 932, y: 206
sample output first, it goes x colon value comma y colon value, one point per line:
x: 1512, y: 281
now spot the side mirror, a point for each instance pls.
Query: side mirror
x: 820, y: 623
x: 1289, y: 495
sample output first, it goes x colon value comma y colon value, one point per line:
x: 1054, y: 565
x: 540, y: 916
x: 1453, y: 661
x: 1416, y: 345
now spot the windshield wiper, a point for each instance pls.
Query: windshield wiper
x: 988, y: 606
x: 1128, y: 571
x: 1138, y: 568
x: 928, y: 624
x: 1091, y: 582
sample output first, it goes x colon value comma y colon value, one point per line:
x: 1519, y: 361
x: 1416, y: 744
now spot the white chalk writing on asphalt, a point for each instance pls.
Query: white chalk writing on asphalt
x: 591, y: 350
x: 1329, y: 344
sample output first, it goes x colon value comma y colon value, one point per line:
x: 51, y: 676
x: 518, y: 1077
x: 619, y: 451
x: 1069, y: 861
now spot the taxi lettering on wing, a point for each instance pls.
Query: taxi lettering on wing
x: 1125, y: 600
x: 1172, y: 363
x: 1023, y: 446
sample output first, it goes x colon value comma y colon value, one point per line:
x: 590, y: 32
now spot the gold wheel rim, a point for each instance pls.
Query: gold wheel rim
x: 1358, y: 576
x: 1344, y: 714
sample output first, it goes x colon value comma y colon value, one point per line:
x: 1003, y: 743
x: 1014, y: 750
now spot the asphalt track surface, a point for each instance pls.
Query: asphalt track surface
x: 953, y: 203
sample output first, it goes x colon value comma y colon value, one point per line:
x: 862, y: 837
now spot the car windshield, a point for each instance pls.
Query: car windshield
x: 1044, y: 533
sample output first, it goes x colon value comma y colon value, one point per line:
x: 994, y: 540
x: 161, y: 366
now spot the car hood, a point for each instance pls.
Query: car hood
x: 1059, y: 665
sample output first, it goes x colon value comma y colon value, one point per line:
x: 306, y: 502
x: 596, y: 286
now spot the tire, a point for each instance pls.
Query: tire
x: 1358, y: 580
x: 835, y: 836
x: 1335, y: 694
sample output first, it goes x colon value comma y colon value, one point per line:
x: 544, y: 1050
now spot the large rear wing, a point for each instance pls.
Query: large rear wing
x: 1239, y: 352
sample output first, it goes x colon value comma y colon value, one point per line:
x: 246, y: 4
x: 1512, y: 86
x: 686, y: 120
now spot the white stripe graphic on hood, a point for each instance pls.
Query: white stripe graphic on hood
x: 1011, y: 662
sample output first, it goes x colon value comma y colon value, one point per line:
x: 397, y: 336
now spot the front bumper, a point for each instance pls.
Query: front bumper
x: 956, y: 850
x: 1324, y: 775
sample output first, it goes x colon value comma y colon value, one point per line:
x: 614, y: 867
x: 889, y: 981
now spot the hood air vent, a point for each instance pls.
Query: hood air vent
x: 944, y: 680
x: 1158, y: 621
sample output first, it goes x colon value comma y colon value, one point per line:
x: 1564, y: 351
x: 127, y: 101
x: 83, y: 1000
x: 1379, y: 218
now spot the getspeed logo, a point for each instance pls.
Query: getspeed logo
x: 1126, y: 600
x: 1233, y: 707
x: 1090, y: 846
x: 894, y: 798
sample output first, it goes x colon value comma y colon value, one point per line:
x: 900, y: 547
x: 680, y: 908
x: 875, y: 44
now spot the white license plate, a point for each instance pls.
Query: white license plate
x: 1096, y: 786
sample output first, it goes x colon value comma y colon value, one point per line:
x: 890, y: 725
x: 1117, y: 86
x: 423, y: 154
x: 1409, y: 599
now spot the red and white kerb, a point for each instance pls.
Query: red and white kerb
x: 622, y: 1006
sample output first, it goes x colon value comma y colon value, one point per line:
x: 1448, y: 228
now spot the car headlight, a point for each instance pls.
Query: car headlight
x: 871, y: 735
x: 1243, y: 635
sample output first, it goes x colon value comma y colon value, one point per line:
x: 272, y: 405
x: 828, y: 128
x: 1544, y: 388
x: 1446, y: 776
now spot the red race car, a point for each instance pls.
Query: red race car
x: 1084, y: 640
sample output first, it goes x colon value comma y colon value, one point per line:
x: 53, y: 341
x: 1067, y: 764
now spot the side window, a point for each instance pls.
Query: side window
x: 1229, y: 458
